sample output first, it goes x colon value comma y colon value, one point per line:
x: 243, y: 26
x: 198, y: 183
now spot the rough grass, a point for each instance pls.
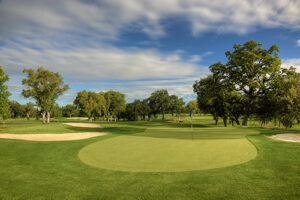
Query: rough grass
x: 52, y: 170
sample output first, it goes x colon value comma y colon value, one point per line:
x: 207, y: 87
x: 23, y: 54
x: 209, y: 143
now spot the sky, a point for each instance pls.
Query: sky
x: 138, y: 46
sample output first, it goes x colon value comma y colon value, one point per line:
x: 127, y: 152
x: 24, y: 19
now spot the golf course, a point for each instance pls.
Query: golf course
x: 149, y: 160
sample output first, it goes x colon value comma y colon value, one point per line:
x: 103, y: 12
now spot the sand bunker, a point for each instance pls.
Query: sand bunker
x: 286, y: 137
x: 53, y: 137
x: 84, y: 125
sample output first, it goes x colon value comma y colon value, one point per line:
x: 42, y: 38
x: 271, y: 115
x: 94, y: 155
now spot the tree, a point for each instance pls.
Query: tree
x: 92, y: 104
x: 145, y: 109
x: 115, y: 104
x: 160, y: 101
x: 68, y: 110
x: 135, y: 110
x: 214, y: 97
x: 192, y: 106
x: 16, y: 109
x: 45, y: 87
x: 176, y: 105
x: 287, y: 100
x: 250, y: 70
x: 4, y: 94
x: 30, y: 110
x: 206, y: 96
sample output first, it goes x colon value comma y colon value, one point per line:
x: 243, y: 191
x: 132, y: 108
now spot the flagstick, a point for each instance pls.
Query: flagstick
x: 192, y: 125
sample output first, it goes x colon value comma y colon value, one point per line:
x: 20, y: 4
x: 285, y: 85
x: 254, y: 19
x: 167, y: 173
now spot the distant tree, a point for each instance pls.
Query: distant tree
x: 145, y: 109
x: 206, y: 90
x: 115, y: 104
x: 250, y: 70
x: 131, y: 112
x: 4, y: 94
x: 16, y: 109
x: 135, y: 110
x: 192, y: 106
x: 45, y: 87
x: 30, y: 110
x: 176, y: 105
x: 91, y: 104
x: 159, y: 101
x: 69, y: 110
x: 56, y: 111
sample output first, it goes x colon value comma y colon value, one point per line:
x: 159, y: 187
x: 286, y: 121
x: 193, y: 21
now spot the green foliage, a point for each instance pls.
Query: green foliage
x: 159, y: 102
x: 115, y: 103
x: 45, y: 87
x: 283, y: 101
x: 69, y: 110
x: 176, y: 104
x: 56, y: 111
x: 91, y: 104
x: 250, y: 70
x: 192, y: 106
x: 251, y: 82
x: 4, y: 94
x: 30, y: 110
x: 135, y: 110
x: 16, y: 109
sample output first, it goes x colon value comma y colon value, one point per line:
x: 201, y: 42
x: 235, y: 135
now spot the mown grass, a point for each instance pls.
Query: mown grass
x: 171, y: 150
x: 52, y: 170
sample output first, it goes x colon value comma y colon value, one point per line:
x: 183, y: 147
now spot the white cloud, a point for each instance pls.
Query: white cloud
x: 199, y: 58
x: 105, y: 63
x: 298, y: 43
x: 105, y: 19
x: 295, y: 62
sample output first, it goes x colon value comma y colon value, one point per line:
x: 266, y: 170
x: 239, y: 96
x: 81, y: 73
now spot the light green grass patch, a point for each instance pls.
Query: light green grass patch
x: 170, y: 150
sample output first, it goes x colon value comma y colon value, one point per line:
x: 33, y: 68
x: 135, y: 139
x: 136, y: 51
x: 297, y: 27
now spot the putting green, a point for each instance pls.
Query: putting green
x: 138, y: 153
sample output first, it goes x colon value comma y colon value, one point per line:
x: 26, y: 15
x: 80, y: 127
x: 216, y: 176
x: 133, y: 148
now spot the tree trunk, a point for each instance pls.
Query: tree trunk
x: 27, y: 116
x: 48, y: 117
x: 149, y: 117
x: 245, y: 120
x: 44, y: 117
x: 225, y: 121
x: 248, y: 112
x: 237, y: 121
x: 216, y: 118
x: 90, y: 119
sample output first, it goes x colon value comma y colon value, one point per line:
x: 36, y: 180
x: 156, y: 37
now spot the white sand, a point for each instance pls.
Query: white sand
x: 286, y: 137
x: 84, y: 125
x: 52, y: 137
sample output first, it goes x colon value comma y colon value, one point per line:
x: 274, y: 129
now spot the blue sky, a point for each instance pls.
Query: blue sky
x: 138, y: 46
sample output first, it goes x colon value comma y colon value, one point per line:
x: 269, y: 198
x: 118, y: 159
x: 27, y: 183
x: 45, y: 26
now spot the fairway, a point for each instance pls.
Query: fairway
x: 170, y: 150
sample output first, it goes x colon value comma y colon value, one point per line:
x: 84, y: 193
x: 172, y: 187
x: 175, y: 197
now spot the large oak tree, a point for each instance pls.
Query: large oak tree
x: 250, y: 70
x: 45, y: 87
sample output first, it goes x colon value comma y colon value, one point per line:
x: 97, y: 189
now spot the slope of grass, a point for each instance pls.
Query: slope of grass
x: 52, y: 170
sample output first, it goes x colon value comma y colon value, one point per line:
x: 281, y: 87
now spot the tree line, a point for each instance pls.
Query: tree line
x: 45, y: 87
x: 251, y: 84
